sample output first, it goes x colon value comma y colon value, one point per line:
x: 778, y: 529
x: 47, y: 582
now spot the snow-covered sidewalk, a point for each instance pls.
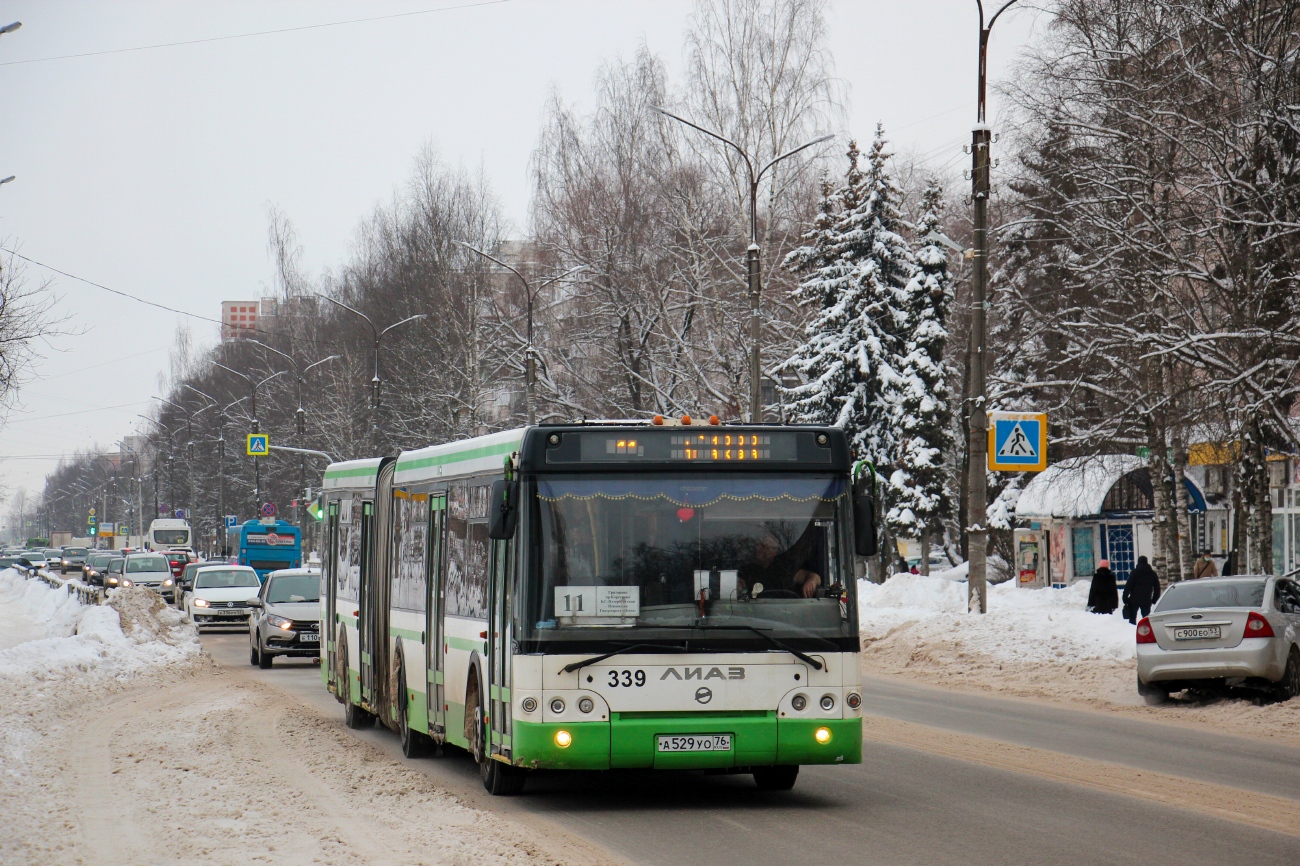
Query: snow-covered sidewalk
x: 1039, y: 643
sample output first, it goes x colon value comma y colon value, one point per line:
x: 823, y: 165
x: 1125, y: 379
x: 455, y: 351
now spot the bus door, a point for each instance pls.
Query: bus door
x: 365, y: 601
x: 433, y: 615
x: 499, y: 571
x: 329, y: 574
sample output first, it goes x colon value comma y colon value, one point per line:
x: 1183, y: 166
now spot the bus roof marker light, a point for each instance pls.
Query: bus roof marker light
x: 657, y: 420
x: 714, y: 420
x: 686, y: 420
x: 563, y: 739
x: 821, y: 735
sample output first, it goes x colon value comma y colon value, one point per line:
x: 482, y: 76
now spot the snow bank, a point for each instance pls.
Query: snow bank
x: 46, y: 634
x: 927, y: 617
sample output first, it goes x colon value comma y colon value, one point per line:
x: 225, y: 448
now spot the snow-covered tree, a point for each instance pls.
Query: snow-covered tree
x: 856, y: 267
x: 919, y: 396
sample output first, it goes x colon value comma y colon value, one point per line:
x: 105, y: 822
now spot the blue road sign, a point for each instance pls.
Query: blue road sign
x: 1018, y: 441
x: 259, y: 445
x: 231, y: 521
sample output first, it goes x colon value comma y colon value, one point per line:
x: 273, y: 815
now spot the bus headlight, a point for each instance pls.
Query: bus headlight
x: 799, y: 702
x: 854, y: 700
x: 528, y: 705
x: 822, y: 735
x: 828, y: 702
x: 563, y: 739
x: 586, y: 705
x: 557, y: 706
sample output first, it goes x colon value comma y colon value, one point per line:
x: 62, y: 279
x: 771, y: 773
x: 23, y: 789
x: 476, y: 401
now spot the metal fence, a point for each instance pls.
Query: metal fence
x: 85, y: 594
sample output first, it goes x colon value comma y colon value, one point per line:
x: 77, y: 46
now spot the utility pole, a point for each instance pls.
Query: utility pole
x: 753, y: 260
x: 977, y: 498
x: 530, y: 363
x: 374, y: 382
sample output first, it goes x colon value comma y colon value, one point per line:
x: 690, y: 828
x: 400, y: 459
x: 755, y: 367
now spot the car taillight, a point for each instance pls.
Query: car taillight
x: 1257, y: 626
x: 1145, y: 632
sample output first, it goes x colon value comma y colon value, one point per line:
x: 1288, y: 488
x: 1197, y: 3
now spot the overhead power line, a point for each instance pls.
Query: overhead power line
x: 256, y: 33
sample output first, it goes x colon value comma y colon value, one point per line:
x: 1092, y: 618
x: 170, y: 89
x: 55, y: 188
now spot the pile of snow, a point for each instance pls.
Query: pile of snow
x: 925, y: 617
x: 46, y: 634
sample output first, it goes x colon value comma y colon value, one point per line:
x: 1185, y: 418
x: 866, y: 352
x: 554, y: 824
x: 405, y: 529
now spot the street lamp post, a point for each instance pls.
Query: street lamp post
x: 530, y: 362
x: 300, y: 419
x: 374, y: 382
x: 252, y: 391
x: 171, y: 451
x: 189, y: 447
x: 977, y: 495
x: 752, y: 257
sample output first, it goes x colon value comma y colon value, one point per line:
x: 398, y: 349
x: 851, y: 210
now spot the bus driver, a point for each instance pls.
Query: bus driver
x: 793, y: 570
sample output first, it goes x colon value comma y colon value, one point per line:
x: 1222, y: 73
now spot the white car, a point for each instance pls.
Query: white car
x: 149, y: 570
x: 220, y: 595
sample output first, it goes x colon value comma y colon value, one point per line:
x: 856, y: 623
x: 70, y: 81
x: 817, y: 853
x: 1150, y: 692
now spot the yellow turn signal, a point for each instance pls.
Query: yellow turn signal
x: 822, y: 735
x: 563, y: 739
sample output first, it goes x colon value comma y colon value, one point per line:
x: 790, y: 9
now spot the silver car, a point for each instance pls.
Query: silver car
x: 286, y: 617
x: 1226, y: 631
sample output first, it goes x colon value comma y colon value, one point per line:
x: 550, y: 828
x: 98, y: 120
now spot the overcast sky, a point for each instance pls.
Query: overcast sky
x: 150, y: 170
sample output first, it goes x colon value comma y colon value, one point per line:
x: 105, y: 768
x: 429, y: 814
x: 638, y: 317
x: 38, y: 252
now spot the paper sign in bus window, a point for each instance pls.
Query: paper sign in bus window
x: 618, y: 601
x: 716, y: 584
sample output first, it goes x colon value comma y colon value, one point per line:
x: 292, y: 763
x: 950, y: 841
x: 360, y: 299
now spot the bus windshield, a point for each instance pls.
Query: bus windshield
x: 171, y: 536
x: 674, y: 556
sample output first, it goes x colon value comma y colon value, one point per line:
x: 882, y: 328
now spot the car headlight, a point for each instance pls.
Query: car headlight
x: 167, y: 582
x: 280, y: 622
x: 112, y: 581
x: 126, y: 582
x: 201, y: 602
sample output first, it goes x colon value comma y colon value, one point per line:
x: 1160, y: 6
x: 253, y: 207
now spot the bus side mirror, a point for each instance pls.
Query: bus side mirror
x: 864, y: 518
x: 503, y: 510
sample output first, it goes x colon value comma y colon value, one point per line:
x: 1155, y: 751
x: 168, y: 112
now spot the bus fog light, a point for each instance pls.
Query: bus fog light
x: 854, y: 700
x: 828, y: 702
x: 799, y: 702
x: 586, y: 705
x: 557, y: 707
x: 563, y: 739
x: 822, y: 735
x: 529, y: 705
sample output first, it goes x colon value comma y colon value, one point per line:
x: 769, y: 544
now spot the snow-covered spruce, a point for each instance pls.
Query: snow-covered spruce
x: 919, y: 401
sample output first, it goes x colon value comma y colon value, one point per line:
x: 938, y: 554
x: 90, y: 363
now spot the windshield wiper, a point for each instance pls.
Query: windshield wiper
x: 570, y: 668
x: 803, y: 657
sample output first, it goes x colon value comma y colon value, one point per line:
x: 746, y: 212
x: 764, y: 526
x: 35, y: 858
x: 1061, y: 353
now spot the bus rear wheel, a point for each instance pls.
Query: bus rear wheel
x: 414, y: 743
x: 776, y: 778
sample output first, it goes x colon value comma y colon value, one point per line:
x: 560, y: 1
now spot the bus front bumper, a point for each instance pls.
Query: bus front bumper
x: 757, y: 741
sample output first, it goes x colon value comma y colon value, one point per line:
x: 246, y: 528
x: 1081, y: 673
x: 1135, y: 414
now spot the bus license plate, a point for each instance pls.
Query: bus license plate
x: 1200, y: 632
x: 695, y: 743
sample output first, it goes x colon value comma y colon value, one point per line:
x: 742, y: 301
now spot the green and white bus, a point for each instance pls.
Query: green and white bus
x: 603, y: 595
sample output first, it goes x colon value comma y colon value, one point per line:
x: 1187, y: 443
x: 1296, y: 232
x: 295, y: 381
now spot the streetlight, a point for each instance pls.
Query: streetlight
x: 189, y: 445
x: 752, y: 254
x: 10, y: 28
x: 171, y: 453
x: 374, y: 383
x: 530, y: 363
x: 300, y: 417
x: 252, y: 390
x: 977, y: 449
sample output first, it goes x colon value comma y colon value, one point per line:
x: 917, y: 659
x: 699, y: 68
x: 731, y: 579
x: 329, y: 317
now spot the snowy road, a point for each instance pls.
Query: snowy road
x: 905, y: 804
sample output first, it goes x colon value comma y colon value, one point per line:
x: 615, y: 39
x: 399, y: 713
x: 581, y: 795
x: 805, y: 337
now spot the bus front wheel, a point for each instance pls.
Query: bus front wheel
x: 776, y: 778
x: 354, y: 716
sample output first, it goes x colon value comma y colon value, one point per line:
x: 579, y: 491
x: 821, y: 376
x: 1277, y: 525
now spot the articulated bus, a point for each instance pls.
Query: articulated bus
x: 603, y: 595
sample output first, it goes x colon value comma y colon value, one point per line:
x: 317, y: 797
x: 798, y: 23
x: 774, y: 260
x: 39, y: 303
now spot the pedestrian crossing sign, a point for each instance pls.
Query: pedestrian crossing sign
x: 1018, y: 441
x: 259, y: 445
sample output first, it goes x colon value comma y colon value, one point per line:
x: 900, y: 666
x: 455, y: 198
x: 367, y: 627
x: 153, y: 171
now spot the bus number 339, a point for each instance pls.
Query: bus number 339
x: 626, y: 679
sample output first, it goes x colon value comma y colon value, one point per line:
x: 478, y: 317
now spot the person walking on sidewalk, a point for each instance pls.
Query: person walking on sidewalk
x: 1103, y: 597
x: 1205, y: 566
x: 1141, y: 590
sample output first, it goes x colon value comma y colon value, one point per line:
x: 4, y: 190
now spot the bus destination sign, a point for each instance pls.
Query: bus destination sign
x: 679, y: 446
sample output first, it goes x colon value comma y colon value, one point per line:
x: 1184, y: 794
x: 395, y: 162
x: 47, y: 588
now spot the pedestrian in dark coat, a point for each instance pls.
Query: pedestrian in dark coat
x: 1141, y: 591
x: 1103, y: 597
